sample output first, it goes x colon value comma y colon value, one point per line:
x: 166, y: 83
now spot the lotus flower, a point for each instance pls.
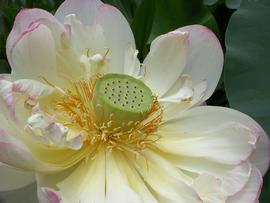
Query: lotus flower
x: 82, y: 117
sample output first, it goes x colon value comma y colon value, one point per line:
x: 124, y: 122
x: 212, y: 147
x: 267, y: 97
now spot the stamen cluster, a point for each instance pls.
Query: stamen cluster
x: 132, y: 136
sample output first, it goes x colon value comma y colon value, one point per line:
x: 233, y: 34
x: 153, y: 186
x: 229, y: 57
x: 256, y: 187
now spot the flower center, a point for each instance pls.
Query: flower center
x: 114, y: 110
x: 121, y: 98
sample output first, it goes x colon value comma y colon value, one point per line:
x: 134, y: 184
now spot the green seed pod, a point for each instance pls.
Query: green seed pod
x: 121, y: 98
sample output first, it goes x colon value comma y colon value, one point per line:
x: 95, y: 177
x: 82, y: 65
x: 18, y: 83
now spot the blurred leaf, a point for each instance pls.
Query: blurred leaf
x: 4, y: 67
x: 8, y: 11
x: 9, y: 14
x: 24, y: 195
x: 172, y: 14
x: 44, y: 4
x: 18, y: 3
x: 233, y: 4
x: 210, y: 2
x: 127, y: 7
x: 142, y: 24
x: 247, y: 63
x: 2, y: 37
x: 265, y: 195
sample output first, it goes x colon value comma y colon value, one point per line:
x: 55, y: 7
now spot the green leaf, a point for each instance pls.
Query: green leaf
x: 233, y: 4
x: 210, y: 2
x: 247, y: 61
x: 4, y: 67
x: 172, y: 14
x: 142, y: 24
x: 127, y: 7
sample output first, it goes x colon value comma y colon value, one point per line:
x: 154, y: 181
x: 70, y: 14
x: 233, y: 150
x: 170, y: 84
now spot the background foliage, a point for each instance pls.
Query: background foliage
x: 242, y: 26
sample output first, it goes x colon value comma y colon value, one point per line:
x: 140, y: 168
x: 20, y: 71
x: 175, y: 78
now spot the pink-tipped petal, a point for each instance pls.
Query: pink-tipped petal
x: 6, y: 97
x: 167, y: 57
x: 14, y: 153
x: 24, y: 21
x: 252, y: 190
x: 49, y: 196
x: 85, y: 10
x: 117, y: 33
x: 216, y: 133
x: 12, y: 178
x: 34, y: 55
x: 32, y: 88
x: 261, y: 157
x: 5, y: 77
x: 205, y: 58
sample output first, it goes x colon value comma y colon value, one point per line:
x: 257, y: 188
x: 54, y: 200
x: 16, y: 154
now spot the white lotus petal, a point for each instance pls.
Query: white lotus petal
x: 232, y: 178
x: 86, y: 183
x: 5, y: 77
x: 12, y: 178
x: 170, y: 187
x: 85, y: 10
x: 117, y: 186
x: 167, y: 57
x: 173, y: 109
x: 6, y: 97
x: 205, y: 57
x: 208, y: 188
x: 118, y: 35
x: 220, y: 134
x: 84, y: 38
x: 15, y: 153
x: 261, y: 156
x: 32, y: 88
x: 34, y: 55
x: 135, y: 180
x: 132, y: 65
x: 23, y: 24
x: 251, y: 192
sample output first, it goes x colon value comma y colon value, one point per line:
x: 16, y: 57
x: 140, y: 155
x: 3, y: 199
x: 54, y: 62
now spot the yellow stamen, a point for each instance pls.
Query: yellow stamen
x: 77, y: 107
